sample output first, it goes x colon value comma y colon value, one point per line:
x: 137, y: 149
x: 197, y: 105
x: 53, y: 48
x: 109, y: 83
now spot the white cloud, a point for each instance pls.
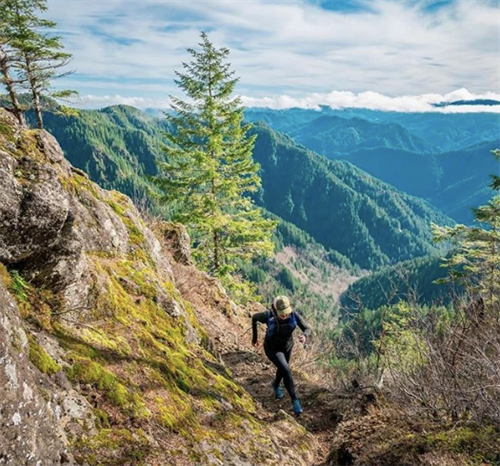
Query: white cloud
x: 375, y: 101
x: 292, y: 48
x: 335, y: 99
x: 99, y: 101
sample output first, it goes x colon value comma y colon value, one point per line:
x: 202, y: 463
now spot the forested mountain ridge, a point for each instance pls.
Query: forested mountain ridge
x: 444, y: 131
x: 117, y: 146
x: 442, y: 158
x: 409, y: 281
x: 330, y: 135
x: 452, y: 181
x: 342, y: 207
x: 363, y: 225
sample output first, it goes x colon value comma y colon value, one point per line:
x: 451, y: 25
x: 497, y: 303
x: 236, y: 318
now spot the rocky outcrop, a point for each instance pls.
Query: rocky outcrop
x: 103, y: 357
x: 30, y: 413
x: 57, y: 216
x: 177, y: 240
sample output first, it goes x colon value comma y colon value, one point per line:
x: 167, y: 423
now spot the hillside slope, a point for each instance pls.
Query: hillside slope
x: 121, y: 370
x: 410, y: 281
x: 332, y: 134
x: 445, y: 159
x: 116, y: 146
x: 340, y: 206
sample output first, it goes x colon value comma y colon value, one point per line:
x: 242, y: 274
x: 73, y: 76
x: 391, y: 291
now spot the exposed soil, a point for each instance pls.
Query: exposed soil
x: 231, y: 336
x: 321, y: 407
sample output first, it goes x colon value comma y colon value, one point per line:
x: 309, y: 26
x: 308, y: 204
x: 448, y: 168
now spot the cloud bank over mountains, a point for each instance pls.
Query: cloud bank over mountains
x: 335, y: 99
x: 292, y: 52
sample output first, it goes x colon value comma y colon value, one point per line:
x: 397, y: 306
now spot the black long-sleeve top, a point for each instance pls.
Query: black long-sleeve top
x: 279, y: 331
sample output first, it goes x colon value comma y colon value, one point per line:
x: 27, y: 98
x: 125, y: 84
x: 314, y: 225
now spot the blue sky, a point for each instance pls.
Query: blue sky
x: 390, y: 54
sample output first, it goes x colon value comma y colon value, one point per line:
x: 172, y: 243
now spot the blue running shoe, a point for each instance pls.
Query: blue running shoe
x: 297, y: 409
x: 278, y: 391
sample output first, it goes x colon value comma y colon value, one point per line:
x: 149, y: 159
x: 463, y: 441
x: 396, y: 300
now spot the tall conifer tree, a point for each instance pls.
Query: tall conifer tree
x: 33, y: 55
x: 476, y: 262
x: 210, y: 173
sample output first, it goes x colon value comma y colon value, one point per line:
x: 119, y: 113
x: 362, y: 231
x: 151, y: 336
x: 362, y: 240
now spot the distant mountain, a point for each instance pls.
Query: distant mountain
x: 465, y: 180
x: 488, y: 102
x: 411, y: 281
x: 443, y: 131
x: 330, y: 135
x: 455, y: 180
x: 340, y: 206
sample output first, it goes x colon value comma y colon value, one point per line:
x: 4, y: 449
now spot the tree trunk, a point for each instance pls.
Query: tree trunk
x: 216, y: 252
x: 38, y: 108
x: 9, y: 83
x: 34, y: 92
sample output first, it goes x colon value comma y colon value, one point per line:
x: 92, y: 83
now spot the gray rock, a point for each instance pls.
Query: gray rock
x: 29, y: 432
x: 178, y: 242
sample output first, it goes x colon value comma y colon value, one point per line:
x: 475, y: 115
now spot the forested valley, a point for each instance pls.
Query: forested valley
x: 136, y: 244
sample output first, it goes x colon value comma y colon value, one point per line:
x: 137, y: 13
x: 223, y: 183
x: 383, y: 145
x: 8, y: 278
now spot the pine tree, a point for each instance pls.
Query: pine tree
x: 7, y: 78
x: 209, y: 174
x: 35, y: 56
x: 476, y: 261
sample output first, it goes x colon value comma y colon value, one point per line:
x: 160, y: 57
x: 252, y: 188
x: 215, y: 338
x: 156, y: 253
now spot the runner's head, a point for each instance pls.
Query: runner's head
x: 282, y: 306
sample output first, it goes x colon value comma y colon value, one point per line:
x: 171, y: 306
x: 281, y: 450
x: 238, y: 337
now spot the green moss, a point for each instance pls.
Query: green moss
x: 6, y: 129
x: 113, y: 447
x: 135, y: 344
x: 93, y: 373
x: 120, y: 204
x: 5, y: 276
x: 19, y: 287
x: 479, y: 442
x: 101, y: 419
x: 40, y: 358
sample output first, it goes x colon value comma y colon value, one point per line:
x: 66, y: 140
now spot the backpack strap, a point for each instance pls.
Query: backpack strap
x: 272, y: 322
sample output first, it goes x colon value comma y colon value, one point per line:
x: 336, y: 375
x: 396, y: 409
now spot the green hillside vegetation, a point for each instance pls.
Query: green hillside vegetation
x: 304, y: 270
x: 117, y: 146
x: 454, y: 181
x: 441, y: 158
x: 341, y: 206
x: 332, y: 134
x: 411, y: 281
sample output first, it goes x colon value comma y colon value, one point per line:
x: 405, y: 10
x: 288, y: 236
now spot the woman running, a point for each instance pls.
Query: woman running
x: 281, y: 322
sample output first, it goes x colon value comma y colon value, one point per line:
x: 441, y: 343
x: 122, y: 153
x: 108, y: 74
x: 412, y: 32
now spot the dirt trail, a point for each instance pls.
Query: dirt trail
x: 321, y: 407
x: 230, y: 336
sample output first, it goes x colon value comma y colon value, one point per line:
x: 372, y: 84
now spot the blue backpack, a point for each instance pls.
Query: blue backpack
x: 273, y: 323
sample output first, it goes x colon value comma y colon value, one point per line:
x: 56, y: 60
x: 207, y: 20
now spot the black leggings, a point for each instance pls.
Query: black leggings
x: 281, y: 359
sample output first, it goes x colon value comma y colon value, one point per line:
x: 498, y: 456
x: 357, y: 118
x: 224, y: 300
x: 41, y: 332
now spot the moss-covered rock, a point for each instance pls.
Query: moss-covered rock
x: 99, y: 293
x: 389, y: 436
x: 41, y: 359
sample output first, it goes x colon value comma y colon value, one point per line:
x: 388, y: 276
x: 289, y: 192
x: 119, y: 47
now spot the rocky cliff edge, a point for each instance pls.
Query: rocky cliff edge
x: 110, y: 338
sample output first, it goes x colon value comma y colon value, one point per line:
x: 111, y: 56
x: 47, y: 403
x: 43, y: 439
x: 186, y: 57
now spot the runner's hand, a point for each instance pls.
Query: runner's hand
x: 302, y: 339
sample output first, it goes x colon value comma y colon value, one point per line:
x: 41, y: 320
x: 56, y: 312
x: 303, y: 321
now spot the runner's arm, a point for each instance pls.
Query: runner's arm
x: 306, y: 330
x: 259, y: 317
